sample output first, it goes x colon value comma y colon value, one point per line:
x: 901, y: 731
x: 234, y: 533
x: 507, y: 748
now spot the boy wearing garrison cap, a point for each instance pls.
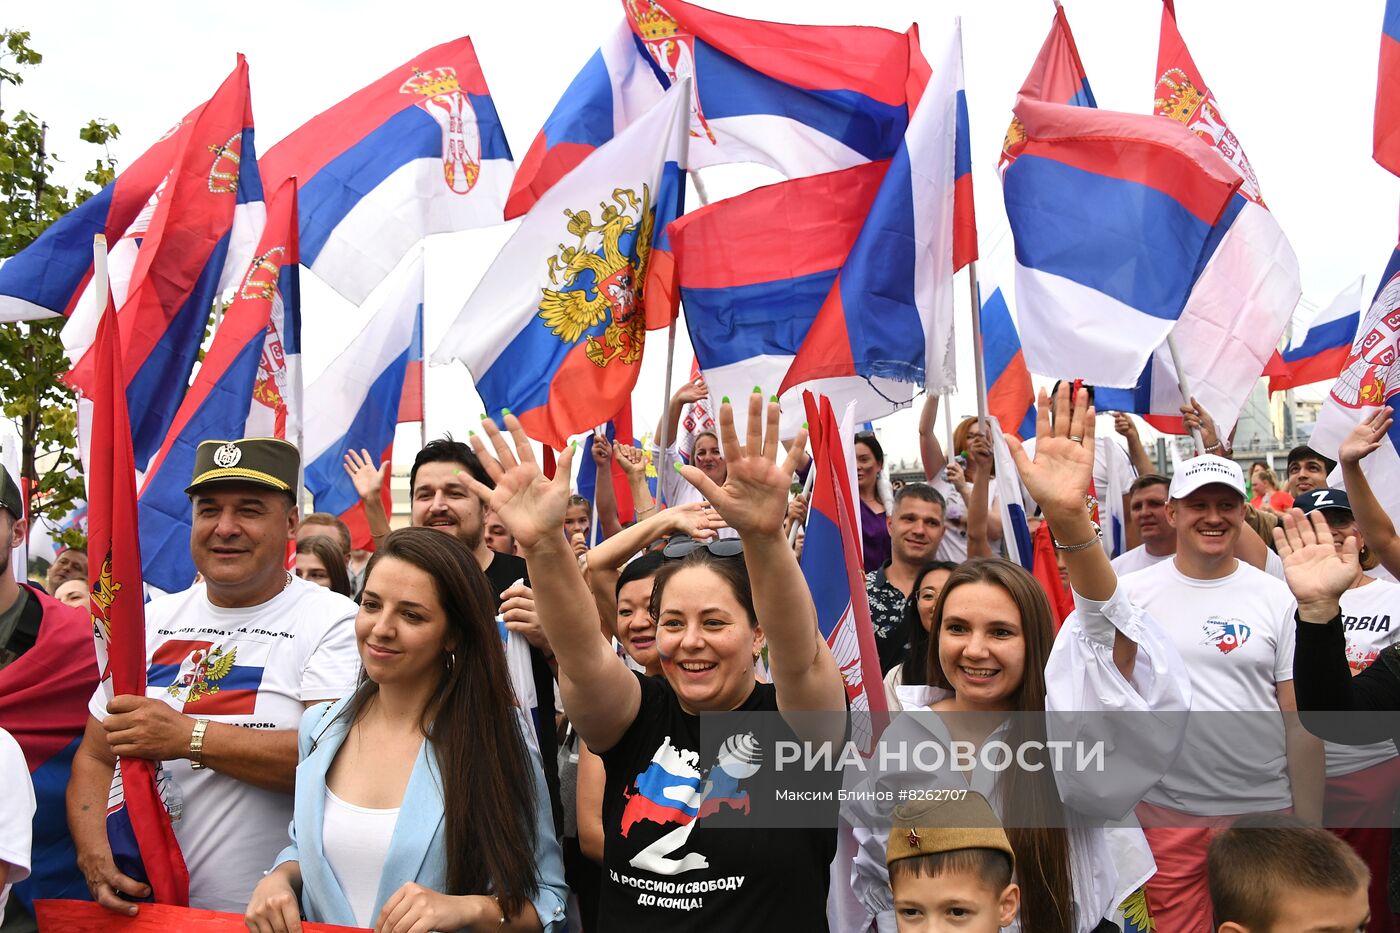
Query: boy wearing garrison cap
x: 950, y: 866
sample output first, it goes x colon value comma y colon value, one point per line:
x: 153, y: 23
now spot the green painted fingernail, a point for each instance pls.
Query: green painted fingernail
x: 573, y: 445
x: 772, y: 398
x: 757, y: 390
x: 471, y: 434
x: 676, y: 465
x: 804, y: 425
x: 504, y: 412
x: 484, y: 416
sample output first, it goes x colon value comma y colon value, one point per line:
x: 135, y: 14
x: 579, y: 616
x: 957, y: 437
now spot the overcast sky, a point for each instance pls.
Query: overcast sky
x: 1296, y: 82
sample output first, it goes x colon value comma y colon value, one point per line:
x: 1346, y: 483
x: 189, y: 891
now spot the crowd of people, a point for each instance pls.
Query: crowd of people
x: 494, y: 719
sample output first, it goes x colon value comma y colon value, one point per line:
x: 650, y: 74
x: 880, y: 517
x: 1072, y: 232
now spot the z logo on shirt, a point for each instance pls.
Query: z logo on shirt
x: 1225, y: 634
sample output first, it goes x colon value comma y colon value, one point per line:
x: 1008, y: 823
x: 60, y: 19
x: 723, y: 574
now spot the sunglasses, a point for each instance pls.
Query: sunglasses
x: 681, y: 545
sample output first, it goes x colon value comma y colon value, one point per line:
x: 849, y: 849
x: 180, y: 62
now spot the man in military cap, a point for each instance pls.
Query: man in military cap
x: 48, y: 669
x: 233, y: 662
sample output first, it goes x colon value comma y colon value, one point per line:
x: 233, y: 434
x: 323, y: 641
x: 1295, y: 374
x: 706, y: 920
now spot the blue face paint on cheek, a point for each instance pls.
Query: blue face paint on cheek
x: 663, y: 656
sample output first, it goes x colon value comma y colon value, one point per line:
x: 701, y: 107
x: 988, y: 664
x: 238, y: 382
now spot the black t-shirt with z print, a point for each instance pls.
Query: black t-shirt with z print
x: 680, y: 848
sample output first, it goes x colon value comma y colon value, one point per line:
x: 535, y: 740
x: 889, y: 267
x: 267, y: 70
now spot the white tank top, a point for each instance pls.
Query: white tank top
x: 356, y: 842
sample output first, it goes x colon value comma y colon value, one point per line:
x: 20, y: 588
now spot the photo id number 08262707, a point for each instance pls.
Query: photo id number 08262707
x: 932, y: 794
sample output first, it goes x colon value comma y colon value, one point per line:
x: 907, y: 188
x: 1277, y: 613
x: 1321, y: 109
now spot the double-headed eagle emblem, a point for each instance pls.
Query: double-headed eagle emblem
x: 597, y: 276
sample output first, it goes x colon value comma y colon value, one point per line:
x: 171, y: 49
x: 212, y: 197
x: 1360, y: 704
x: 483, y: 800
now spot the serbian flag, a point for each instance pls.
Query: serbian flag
x: 1010, y: 398
x: 800, y: 99
x: 555, y: 329
x: 49, y: 276
x: 356, y: 402
x: 1057, y: 76
x: 1182, y: 95
x: 1386, y: 139
x: 1370, y: 378
x: 1247, y: 289
x: 249, y: 385
x: 832, y: 564
x: 1320, y: 347
x: 179, y: 265
x: 119, y: 621
x: 1113, y: 216
x: 889, y: 312
x: 419, y: 151
x: 753, y: 272
x: 618, y: 429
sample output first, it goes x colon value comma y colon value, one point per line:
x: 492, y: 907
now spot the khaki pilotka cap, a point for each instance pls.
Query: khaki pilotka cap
x: 11, y: 500
x: 261, y: 461
x: 928, y: 827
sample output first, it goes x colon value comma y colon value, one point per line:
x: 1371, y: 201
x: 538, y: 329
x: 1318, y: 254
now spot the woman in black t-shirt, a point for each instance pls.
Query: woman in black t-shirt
x: 686, y: 846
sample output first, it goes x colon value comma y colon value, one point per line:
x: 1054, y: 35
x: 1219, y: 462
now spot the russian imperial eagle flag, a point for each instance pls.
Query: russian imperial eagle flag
x: 554, y: 332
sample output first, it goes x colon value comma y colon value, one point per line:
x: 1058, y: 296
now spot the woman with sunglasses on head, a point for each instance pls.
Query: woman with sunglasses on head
x: 682, y: 850
x: 992, y: 652
x: 419, y: 803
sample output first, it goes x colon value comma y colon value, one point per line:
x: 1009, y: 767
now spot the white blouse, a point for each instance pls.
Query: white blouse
x: 356, y: 841
x: 1107, y: 864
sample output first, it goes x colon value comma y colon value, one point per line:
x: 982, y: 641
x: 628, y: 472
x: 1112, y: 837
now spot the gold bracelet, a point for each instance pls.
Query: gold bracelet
x: 197, y: 744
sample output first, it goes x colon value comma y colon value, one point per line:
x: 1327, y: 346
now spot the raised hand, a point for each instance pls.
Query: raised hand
x: 1316, y: 573
x: 979, y: 452
x: 531, y: 506
x: 633, y: 460
x: 753, y: 499
x: 601, y: 450
x: 1366, y: 437
x: 692, y: 391
x: 1194, y: 415
x: 367, y: 478
x: 1059, y: 476
x: 1123, y: 423
x: 697, y: 520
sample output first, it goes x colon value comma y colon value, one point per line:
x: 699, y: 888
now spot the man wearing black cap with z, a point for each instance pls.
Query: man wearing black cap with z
x: 233, y: 662
x: 48, y: 664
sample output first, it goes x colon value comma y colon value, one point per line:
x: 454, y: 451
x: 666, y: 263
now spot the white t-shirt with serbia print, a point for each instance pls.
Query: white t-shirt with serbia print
x: 254, y: 668
x: 1236, y: 635
x: 1371, y: 617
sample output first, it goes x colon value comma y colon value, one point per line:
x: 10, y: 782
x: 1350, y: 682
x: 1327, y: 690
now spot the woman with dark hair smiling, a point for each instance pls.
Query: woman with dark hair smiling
x: 992, y: 652
x: 419, y: 804
x: 321, y: 562
x: 683, y: 848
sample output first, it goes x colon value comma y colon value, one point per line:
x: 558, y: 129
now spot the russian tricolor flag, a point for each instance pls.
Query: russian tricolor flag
x: 833, y: 567
x: 1010, y: 397
x: 180, y: 264
x: 1386, y: 137
x: 419, y: 151
x: 555, y: 329
x: 668, y: 792
x: 1114, y: 216
x: 801, y: 99
x: 1318, y: 350
x: 249, y: 385
x: 356, y: 402
x: 1057, y: 76
x: 617, y: 430
x: 889, y: 313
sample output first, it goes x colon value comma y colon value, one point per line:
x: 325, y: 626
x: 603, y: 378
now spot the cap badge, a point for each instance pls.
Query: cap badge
x: 914, y: 840
x: 227, y: 456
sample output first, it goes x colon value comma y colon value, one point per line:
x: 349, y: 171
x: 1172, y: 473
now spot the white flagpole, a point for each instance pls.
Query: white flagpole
x: 977, y: 362
x: 683, y: 119
x: 1183, y: 386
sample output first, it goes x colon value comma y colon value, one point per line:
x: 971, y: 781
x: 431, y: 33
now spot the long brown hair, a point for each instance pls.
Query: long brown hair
x: 1030, y: 802
x: 471, y: 720
x: 331, y: 557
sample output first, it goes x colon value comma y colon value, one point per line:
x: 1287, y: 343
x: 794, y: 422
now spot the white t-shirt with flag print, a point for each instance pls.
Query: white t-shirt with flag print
x: 1371, y: 617
x: 254, y: 668
x: 1237, y: 637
